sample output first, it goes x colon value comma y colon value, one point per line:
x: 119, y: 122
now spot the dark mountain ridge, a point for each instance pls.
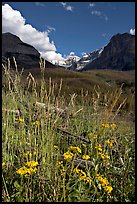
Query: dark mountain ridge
x: 118, y: 54
x: 25, y: 55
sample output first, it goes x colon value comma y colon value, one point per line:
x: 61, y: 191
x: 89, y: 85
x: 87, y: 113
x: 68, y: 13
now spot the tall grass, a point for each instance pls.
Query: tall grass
x: 58, y: 149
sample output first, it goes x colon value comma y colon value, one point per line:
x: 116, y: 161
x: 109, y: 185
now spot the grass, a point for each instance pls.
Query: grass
x: 61, y: 146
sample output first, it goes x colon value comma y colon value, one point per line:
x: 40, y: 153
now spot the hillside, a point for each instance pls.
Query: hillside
x: 85, y: 82
x: 118, y: 54
x: 26, y: 56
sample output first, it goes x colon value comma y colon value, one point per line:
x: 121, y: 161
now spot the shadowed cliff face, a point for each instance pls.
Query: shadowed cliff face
x: 119, y: 54
x: 26, y: 55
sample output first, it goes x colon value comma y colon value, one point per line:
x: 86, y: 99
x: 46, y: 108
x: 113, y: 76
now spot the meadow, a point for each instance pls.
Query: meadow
x: 68, y: 136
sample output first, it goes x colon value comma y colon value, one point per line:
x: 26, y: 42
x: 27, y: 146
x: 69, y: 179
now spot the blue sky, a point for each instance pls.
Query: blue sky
x: 71, y: 28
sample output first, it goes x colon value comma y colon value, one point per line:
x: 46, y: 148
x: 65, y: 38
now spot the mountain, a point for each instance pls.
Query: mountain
x: 118, y: 54
x: 78, y: 65
x: 26, y: 55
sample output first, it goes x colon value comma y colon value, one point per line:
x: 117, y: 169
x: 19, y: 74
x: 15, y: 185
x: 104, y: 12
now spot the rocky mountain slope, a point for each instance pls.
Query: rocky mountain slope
x: 26, y: 55
x: 119, y: 54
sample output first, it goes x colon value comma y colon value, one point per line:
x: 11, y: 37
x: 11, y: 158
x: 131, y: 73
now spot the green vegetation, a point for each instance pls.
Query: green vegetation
x: 68, y: 136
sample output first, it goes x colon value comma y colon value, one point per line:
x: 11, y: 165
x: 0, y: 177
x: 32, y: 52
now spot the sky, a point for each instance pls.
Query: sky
x: 59, y: 30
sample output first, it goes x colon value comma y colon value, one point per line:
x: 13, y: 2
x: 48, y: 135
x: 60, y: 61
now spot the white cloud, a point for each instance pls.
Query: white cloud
x: 66, y: 7
x: 14, y: 22
x: 39, y: 4
x: 132, y: 31
x: 50, y: 29
x: 100, y: 14
x: 106, y: 18
x: 63, y: 4
x: 69, y: 8
x: 91, y: 5
x: 72, y: 53
x: 72, y: 56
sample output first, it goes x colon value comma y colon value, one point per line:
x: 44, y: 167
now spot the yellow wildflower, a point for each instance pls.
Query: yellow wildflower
x: 68, y: 155
x: 22, y: 170
x: 88, y: 180
x: 56, y: 147
x: 98, y: 147
x: 92, y: 135
x: 36, y: 123
x: 108, y: 188
x: 104, y: 156
x: 26, y: 171
x: 76, y: 170
x: 3, y: 164
x: 82, y: 177
x: 104, y: 182
x: 82, y: 173
x: 86, y: 157
x: 100, y: 178
x: 85, y: 178
x: 31, y: 170
x: 109, y: 142
x: 75, y: 149
x: 59, y: 163
x: 31, y: 163
x: 105, y: 125
x: 84, y: 145
x: 113, y: 125
x: 20, y: 120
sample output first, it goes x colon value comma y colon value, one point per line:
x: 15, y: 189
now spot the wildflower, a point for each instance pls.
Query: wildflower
x: 22, y: 170
x: 82, y: 175
x: 75, y: 149
x: 26, y: 171
x: 84, y: 145
x: 3, y: 164
x: 85, y: 178
x: 104, y: 182
x: 109, y: 142
x: 20, y: 120
x: 104, y: 156
x: 99, y: 177
x: 86, y: 157
x: 88, y: 180
x: 76, y: 170
x: 98, y: 147
x: 36, y: 123
x: 108, y: 188
x: 68, y: 155
x: 31, y: 170
x: 31, y: 164
x: 105, y: 125
x: 107, y: 157
x: 92, y: 135
x: 28, y: 155
x: 56, y: 147
x: 61, y: 167
x: 59, y: 163
x: 113, y: 126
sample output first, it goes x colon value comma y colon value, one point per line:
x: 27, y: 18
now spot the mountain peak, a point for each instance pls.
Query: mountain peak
x: 119, y: 54
x: 26, y: 55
